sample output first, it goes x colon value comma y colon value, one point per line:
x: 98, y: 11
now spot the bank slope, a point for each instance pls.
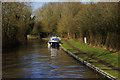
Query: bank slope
x: 102, y: 59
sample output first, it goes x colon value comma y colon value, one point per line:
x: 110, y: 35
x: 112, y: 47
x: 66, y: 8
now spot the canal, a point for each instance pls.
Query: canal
x: 36, y: 60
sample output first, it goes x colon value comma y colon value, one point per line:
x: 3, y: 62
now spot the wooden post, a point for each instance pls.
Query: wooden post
x: 85, y: 40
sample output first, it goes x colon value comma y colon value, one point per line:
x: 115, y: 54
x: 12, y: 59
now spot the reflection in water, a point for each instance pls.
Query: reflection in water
x: 54, y: 52
x: 36, y: 60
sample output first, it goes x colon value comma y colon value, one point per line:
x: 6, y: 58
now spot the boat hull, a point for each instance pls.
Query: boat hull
x: 53, y: 44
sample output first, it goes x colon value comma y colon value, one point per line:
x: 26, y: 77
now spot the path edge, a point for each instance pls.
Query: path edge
x: 89, y: 65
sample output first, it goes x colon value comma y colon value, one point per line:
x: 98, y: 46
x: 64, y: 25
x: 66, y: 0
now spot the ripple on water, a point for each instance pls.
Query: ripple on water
x: 36, y: 61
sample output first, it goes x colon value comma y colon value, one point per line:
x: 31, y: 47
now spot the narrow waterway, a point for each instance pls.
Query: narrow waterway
x: 36, y: 60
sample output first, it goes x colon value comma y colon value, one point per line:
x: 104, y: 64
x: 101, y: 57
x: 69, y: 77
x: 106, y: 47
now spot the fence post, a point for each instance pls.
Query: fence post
x: 85, y: 40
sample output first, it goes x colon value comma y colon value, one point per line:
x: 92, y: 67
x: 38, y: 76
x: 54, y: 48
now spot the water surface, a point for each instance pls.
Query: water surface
x: 36, y: 60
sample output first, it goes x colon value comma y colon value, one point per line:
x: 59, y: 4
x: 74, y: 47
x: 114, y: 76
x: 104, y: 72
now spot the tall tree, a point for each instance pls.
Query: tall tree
x: 16, y: 22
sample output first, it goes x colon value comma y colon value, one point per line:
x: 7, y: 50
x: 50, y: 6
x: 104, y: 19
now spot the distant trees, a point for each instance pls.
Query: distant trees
x: 16, y: 23
x: 96, y: 21
x: 48, y: 16
x: 99, y: 23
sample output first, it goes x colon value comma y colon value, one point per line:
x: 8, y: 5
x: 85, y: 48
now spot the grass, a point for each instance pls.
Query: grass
x: 104, y: 55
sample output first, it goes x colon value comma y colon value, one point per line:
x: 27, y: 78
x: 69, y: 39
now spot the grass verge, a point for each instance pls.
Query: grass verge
x: 104, y: 55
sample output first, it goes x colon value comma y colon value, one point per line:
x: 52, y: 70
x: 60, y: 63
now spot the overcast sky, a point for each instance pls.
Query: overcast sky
x: 36, y: 5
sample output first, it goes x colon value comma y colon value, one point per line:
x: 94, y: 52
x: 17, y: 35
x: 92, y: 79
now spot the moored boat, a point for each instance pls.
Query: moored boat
x: 54, y: 41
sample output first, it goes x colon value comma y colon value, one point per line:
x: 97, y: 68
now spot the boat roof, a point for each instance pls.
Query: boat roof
x: 53, y: 35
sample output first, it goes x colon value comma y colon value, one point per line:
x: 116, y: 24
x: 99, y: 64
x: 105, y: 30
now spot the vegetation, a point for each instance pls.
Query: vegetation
x: 98, y: 22
x: 16, y: 23
x: 104, y: 55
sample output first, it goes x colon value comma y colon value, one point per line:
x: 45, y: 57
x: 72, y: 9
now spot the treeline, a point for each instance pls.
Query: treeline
x: 16, y: 23
x: 98, y: 22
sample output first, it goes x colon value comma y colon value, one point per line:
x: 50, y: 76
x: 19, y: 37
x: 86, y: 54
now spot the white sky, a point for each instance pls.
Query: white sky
x: 60, y: 0
x: 37, y: 5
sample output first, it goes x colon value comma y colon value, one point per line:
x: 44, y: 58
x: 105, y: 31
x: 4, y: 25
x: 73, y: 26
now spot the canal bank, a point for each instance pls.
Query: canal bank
x: 91, y: 60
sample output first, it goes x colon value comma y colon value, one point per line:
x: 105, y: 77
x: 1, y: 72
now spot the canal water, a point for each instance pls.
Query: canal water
x: 36, y: 60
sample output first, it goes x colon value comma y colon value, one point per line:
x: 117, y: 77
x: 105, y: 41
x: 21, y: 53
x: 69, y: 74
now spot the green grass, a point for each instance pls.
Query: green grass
x: 104, y: 55
x: 98, y: 53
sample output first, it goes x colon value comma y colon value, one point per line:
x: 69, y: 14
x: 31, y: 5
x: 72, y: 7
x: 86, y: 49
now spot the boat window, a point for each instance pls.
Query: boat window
x: 55, y: 39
